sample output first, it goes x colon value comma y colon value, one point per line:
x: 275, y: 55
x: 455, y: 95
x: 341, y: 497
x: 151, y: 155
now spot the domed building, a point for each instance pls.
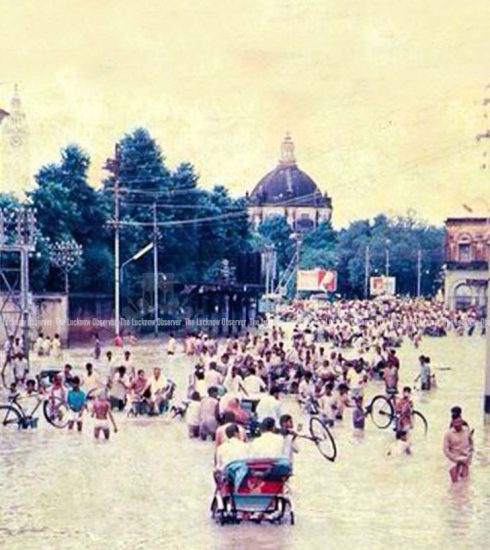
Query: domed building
x: 289, y: 192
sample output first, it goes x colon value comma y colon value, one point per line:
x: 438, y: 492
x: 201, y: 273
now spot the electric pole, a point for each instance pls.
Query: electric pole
x: 66, y: 255
x: 112, y: 166
x: 155, y: 269
x: 17, y: 236
x: 419, y: 272
x: 486, y: 392
x: 367, y: 269
x: 387, y: 263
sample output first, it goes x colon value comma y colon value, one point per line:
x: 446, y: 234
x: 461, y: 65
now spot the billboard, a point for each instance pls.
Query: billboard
x: 379, y: 286
x: 316, y: 280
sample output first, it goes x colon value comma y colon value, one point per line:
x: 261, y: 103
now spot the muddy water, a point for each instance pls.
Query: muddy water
x: 150, y: 487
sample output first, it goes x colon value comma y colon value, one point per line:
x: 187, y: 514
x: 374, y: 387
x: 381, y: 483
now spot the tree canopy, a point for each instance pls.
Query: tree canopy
x: 199, y: 228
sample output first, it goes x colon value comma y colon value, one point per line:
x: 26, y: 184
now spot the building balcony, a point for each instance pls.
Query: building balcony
x: 475, y: 265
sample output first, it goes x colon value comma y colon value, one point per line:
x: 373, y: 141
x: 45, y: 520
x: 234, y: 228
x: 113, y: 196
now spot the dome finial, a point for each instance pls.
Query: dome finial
x: 287, y: 150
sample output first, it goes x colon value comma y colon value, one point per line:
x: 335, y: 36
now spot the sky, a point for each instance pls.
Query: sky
x: 383, y: 99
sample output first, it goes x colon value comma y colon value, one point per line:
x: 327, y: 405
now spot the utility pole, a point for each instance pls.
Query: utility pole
x: 17, y: 236
x: 267, y: 273
x: 24, y: 262
x: 387, y: 263
x: 486, y: 392
x: 367, y: 269
x: 112, y: 165
x: 155, y: 269
x: 419, y: 272
x: 298, y: 245
x: 66, y: 255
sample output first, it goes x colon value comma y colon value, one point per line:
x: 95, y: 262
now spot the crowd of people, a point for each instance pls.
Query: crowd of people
x: 325, y: 358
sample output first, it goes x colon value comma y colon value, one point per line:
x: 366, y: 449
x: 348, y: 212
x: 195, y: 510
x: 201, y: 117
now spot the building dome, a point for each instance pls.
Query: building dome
x: 287, y: 184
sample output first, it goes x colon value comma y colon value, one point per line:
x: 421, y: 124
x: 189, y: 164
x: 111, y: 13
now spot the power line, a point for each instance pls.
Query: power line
x: 183, y: 222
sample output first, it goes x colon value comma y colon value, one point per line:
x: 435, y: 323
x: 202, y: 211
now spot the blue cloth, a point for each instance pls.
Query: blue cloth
x: 76, y: 400
x: 237, y: 471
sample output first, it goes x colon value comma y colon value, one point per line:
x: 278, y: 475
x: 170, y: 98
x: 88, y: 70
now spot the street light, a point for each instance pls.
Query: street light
x: 66, y: 255
x: 135, y: 257
x: 387, y: 262
x: 486, y: 395
x: 297, y: 239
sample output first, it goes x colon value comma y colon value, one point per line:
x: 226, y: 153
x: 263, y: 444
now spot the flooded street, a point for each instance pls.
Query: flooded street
x: 150, y: 486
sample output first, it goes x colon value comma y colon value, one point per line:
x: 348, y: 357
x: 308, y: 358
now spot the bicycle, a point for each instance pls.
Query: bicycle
x: 320, y: 433
x: 13, y: 416
x: 55, y: 411
x: 383, y: 414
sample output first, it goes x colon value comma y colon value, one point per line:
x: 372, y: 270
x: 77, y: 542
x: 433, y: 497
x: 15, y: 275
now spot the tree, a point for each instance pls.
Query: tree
x: 8, y: 200
x: 400, y: 239
x: 69, y: 208
x: 197, y: 228
x: 275, y: 230
x: 318, y: 248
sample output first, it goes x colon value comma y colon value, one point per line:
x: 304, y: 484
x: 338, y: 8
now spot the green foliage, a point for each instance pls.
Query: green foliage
x: 69, y: 208
x: 275, y: 230
x: 189, y: 250
x: 8, y: 200
x: 215, y: 227
x: 402, y: 237
x: 318, y: 248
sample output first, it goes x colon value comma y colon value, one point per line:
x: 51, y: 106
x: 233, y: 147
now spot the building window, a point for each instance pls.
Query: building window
x: 464, y: 252
x: 463, y: 297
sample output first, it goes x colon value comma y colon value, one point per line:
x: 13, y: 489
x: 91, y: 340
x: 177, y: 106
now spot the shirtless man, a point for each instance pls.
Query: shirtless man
x: 458, y: 448
x: 403, y: 410
x: 208, y: 414
x: 101, y: 410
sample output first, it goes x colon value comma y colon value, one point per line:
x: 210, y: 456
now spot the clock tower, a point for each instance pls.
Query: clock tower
x: 15, y: 151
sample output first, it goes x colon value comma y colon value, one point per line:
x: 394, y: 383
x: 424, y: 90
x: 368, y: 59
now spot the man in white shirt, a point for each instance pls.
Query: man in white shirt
x: 159, y: 387
x: 253, y: 384
x: 269, y: 406
x: 232, y: 448
x: 269, y: 444
x: 212, y: 377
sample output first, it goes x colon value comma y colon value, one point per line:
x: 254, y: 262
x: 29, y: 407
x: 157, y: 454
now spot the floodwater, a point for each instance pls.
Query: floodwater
x: 150, y: 486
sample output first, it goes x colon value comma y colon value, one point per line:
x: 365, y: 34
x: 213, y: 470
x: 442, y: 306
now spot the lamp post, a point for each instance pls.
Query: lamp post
x: 297, y: 239
x: 387, y: 256
x: 367, y: 270
x: 419, y: 272
x: 486, y: 394
x: 268, y: 260
x: 66, y: 255
x: 133, y: 258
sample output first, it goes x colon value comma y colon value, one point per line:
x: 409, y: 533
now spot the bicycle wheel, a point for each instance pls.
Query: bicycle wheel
x: 381, y: 411
x: 10, y: 418
x: 56, y: 413
x: 420, y: 425
x: 323, y: 439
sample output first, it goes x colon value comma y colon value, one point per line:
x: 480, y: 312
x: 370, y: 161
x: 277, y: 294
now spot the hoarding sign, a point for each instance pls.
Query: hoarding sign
x: 379, y: 286
x: 316, y: 280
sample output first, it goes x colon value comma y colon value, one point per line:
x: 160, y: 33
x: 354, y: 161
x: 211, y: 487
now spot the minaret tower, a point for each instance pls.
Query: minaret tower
x: 15, y: 148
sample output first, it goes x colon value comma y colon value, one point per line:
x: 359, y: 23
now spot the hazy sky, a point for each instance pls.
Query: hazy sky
x: 383, y: 98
